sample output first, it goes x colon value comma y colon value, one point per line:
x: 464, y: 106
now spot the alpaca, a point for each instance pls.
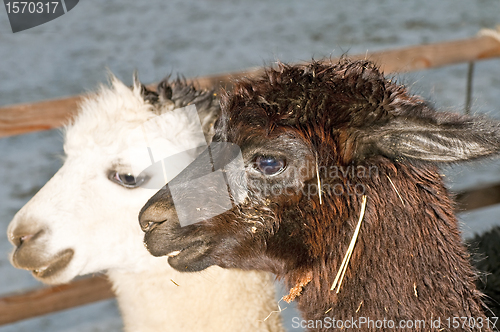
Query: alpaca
x: 84, y: 220
x: 486, y: 257
x: 339, y: 195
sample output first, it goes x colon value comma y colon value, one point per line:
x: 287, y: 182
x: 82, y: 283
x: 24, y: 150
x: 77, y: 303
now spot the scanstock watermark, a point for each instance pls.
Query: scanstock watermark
x: 216, y: 170
x: 215, y: 174
x: 334, y: 180
x: 410, y: 324
x: 25, y: 15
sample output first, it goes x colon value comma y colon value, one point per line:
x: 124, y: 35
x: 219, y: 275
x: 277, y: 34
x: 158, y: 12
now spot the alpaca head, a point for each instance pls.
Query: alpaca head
x: 84, y: 220
x: 342, y: 128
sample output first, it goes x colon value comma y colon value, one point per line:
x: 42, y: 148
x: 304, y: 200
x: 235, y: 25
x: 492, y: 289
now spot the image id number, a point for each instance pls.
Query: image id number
x: 31, y: 7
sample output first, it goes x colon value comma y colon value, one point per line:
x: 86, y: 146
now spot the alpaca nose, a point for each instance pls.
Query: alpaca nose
x: 149, y: 216
x: 157, y: 210
x: 20, y: 236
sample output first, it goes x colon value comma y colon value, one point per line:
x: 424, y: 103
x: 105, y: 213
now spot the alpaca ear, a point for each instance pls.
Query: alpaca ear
x: 442, y: 138
x: 209, y: 111
x: 146, y: 94
x: 165, y: 90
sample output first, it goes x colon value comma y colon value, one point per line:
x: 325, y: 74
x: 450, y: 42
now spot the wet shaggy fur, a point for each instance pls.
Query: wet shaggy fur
x: 486, y: 258
x: 339, y: 126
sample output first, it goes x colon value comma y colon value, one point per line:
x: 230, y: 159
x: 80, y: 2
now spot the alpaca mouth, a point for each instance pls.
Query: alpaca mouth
x: 58, y: 264
x: 192, y: 258
x: 174, y: 253
x: 184, y: 254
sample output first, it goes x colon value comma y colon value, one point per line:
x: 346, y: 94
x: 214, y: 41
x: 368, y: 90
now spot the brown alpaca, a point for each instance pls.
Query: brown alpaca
x: 346, y: 129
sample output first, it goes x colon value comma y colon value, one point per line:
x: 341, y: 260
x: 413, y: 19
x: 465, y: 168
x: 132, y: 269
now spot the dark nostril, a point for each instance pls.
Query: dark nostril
x: 18, y: 240
x: 25, y: 238
x: 144, y: 223
x: 149, y: 216
x: 147, y: 225
x: 157, y: 210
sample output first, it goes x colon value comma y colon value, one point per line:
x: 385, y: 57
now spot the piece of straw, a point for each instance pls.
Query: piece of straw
x: 319, y: 181
x: 394, y: 187
x: 345, y: 262
x: 275, y: 311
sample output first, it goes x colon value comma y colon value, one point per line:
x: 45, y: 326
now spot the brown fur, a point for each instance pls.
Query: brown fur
x: 408, y: 263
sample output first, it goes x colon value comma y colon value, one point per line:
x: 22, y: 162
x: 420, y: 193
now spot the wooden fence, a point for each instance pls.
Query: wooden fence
x: 25, y: 118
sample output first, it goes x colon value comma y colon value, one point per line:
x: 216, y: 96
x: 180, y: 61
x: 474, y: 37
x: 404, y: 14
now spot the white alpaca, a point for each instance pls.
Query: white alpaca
x: 84, y: 220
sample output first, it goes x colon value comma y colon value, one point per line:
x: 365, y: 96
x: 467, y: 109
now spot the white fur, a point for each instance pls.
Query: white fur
x: 83, y: 210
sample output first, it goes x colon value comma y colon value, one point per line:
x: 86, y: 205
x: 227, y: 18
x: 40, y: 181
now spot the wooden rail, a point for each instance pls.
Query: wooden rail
x: 478, y: 198
x: 24, y: 118
x: 51, y: 299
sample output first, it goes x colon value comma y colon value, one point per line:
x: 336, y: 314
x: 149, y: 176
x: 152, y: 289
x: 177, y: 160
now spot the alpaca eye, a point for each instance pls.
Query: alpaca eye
x: 269, y: 165
x: 126, y: 179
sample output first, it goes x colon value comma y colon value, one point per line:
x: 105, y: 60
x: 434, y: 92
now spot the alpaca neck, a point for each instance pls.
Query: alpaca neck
x: 162, y: 299
x: 408, y: 262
